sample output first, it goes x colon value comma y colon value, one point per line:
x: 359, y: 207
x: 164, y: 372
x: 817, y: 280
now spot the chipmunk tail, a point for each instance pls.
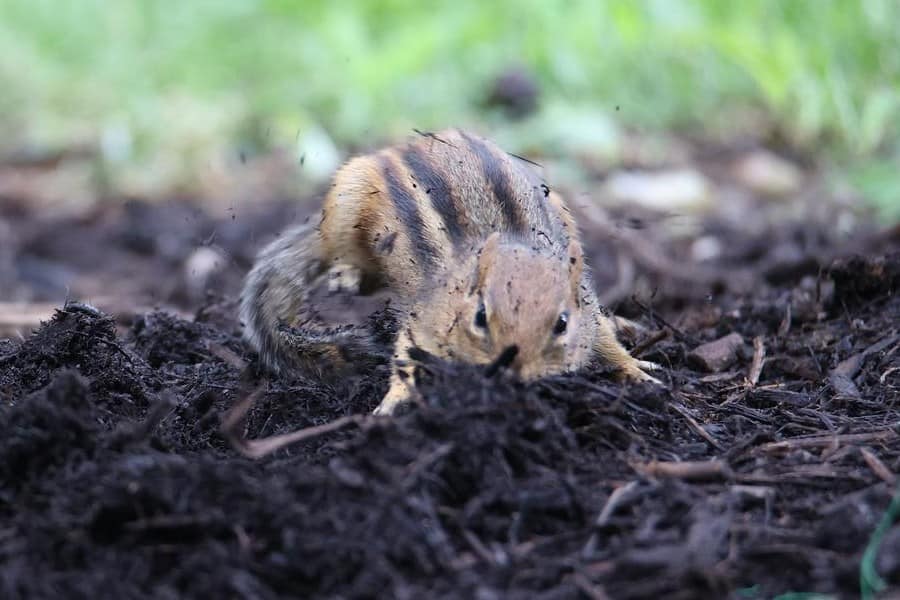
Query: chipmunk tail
x: 276, y: 289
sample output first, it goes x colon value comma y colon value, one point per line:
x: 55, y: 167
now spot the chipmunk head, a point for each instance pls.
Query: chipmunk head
x: 518, y: 296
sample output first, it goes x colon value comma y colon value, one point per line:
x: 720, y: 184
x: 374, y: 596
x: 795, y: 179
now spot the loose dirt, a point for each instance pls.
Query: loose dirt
x: 763, y: 467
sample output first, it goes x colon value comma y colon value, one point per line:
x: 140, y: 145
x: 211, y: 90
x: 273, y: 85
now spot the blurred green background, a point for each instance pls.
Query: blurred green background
x: 159, y: 82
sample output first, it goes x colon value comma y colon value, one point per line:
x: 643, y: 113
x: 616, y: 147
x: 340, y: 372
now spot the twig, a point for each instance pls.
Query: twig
x: 480, y: 549
x: 884, y: 375
x: 528, y: 160
x: 234, y: 418
x: 820, y: 441
x: 688, y: 470
x: 759, y: 356
x: 790, y: 477
x: 661, y: 321
x: 649, y: 342
x: 262, y: 447
x: 785, y: 326
x: 612, y: 503
x: 617, y: 497
x: 695, y: 425
x: 877, y: 466
x: 265, y: 446
x: 594, y: 592
x: 433, y: 136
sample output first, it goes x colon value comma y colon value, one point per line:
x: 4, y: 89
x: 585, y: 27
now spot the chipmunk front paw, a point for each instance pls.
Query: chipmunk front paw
x: 399, y: 392
x: 635, y: 371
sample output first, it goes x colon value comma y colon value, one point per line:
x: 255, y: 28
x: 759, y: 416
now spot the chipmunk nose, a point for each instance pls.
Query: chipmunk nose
x: 505, y: 359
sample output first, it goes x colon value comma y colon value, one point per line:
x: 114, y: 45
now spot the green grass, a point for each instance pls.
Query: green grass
x: 179, y: 76
x: 753, y: 593
x: 870, y: 582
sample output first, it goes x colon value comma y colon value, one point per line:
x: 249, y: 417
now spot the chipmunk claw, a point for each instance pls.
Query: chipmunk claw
x: 390, y: 403
x: 384, y: 409
x: 636, y: 372
x: 647, y: 365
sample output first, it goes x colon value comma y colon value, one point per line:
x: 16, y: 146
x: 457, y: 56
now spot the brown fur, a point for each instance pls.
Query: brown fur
x: 451, y: 224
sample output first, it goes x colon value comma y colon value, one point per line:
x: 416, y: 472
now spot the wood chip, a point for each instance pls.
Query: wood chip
x: 688, y: 470
x: 878, y: 467
x: 616, y: 498
x: 785, y: 325
x: 759, y: 356
x: 759, y: 492
x: 695, y: 425
x: 823, y: 441
x: 841, y: 377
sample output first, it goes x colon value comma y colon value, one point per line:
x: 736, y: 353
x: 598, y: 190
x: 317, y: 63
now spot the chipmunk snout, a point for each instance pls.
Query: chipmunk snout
x: 521, y: 367
x: 526, y: 367
x: 505, y: 359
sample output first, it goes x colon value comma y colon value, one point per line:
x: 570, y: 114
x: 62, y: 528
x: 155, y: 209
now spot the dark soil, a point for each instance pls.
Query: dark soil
x: 115, y: 481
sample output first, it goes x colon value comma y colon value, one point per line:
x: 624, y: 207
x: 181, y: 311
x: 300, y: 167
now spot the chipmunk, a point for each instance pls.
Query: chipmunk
x: 484, y: 258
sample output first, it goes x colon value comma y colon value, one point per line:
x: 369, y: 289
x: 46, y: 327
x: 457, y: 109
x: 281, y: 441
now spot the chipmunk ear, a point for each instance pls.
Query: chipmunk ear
x: 487, y: 257
x: 576, y: 266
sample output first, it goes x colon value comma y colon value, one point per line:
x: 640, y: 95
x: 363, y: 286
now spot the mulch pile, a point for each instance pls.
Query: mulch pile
x: 763, y: 467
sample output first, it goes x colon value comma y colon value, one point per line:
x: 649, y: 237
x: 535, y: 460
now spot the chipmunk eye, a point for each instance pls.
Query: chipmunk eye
x: 561, y: 324
x: 481, y: 317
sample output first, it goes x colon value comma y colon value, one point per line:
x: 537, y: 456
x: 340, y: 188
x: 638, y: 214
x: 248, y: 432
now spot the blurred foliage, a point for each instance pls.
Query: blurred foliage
x: 150, y: 76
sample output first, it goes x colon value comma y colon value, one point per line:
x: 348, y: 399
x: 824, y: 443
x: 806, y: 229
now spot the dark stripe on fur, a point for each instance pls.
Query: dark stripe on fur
x: 364, y: 231
x: 492, y: 167
x: 438, y: 191
x: 408, y: 212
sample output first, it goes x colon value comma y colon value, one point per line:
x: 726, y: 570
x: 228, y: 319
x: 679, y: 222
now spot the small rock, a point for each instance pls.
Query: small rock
x: 717, y: 355
x: 707, y: 247
x: 768, y: 174
x: 676, y: 190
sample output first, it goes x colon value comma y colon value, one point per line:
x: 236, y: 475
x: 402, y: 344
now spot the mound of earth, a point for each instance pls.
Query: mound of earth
x: 763, y: 466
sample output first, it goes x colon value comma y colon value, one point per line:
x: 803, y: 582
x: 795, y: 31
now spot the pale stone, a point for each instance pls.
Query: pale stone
x: 768, y: 174
x: 674, y: 190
